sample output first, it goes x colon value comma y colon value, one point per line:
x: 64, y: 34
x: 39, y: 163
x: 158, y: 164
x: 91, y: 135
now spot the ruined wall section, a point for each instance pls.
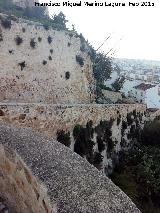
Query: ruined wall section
x: 43, y: 65
x: 96, y: 132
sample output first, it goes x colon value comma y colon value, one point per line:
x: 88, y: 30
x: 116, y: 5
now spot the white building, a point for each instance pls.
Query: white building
x: 128, y: 86
x: 147, y: 94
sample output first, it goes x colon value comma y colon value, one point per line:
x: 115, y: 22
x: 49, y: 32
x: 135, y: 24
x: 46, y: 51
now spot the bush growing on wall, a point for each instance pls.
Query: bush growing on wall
x: 32, y: 43
x: 80, y: 60
x: 18, y: 40
x: 64, y: 138
x: 83, y: 141
x: 44, y: 62
x: 22, y: 65
x: 49, y: 39
x: 151, y: 133
x: 98, y: 158
x: 39, y: 39
x: 67, y: 75
x: 6, y: 23
x: 1, y: 37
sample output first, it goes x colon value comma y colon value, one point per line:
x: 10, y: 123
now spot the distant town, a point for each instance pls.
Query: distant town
x: 142, y: 80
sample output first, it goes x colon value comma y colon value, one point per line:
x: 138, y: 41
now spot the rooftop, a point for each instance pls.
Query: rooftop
x: 144, y: 86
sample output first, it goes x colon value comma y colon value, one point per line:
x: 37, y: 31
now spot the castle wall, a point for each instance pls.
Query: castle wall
x: 73, y: 184
x: 38, y: 65
x: 51, y: 119
x: 20, y: 190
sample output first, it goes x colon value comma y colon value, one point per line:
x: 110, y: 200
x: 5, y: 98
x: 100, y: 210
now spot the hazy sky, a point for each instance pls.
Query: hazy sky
x: 135, y: 31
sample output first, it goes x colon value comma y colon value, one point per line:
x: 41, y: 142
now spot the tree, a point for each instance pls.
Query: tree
x: 118, y: 84
x: 101, y: 67
x: 151, y: 133
x: 60, y: 21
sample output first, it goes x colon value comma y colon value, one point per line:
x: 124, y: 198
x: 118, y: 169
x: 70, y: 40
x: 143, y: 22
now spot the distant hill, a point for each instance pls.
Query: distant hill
x: 135, y: 64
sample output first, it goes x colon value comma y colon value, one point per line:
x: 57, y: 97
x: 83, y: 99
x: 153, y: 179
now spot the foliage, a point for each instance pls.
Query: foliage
x: 83, y: 141
x: 57, y: 22
x: 50, y: 58
x: 18, y: 40
x: 1, y: 37
x: 118, y: 120
x: 101, y: 145
x: 49, y: 39
x: 33, y: 43
x: 138, y: 173
x: 44, y: 62
x: 101, y: 67
x: 39, y: 39
x: 118, y: 84
x: 104, y: 135
x: 80, y: 60
x: 6, y: 23
x: 64, y: 138
x: 97, y: 158
x: 129, y: 118
x: 151, y: 133
x: 101, y: 70
x: 60, y: 21
x: 67, y: 75
x: 22, y: 65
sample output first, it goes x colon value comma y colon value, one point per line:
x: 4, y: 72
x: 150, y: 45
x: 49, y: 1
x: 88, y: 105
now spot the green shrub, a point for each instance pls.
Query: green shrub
x: 80, y: 60
x: 39, y: 39
x: 98, y: 158
x: 1, y: 37
x: 101, y: 145
x: 22, y: 65
x: 51, y: 51
x: 33, y: 43
x: 129, y: 118
x: 23, y: 30
x: 64, y: 138
x: 83, y: 143
x: 50, y: 58
x: 18, y: 40
x: 44, y: 62
x: 49, y: 39
x: 67, y: 75
x: 151, y: 133
x: 6, y: 23
x: 118, y: 120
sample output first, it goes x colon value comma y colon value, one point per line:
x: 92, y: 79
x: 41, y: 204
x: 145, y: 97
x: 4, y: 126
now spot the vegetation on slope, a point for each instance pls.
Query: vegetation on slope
x: 138, y: 173
x: 57, y: 22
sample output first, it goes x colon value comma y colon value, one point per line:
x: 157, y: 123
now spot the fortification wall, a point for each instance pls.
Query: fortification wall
x: 111, y: 128
x: 20, y: 190
x: 43, y: 65
x: 73, y: 184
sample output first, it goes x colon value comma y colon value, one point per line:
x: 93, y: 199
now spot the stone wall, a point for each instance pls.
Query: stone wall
x: 73, y: 184
x: 111, y: 128
x: 20, y: 191
x: 38, y: 64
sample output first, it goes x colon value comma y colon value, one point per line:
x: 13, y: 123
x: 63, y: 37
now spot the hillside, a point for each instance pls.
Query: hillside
x: 136, y: 64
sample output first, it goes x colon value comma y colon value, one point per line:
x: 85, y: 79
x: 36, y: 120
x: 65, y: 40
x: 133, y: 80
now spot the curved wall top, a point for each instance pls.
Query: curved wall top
x: 72, y: 183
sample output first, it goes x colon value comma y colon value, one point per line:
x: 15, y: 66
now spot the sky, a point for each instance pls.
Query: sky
x: 134, y: 31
